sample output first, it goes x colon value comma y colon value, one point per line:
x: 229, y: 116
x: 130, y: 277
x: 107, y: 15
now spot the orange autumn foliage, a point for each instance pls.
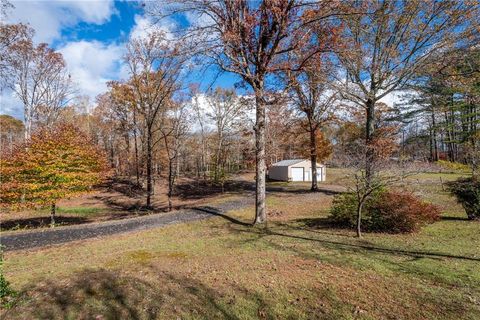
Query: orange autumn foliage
x: 324, y: 147
x: 54, y: 164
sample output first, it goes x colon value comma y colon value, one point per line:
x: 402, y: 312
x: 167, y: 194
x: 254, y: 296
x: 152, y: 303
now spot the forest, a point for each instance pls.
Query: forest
x: 384, y: 94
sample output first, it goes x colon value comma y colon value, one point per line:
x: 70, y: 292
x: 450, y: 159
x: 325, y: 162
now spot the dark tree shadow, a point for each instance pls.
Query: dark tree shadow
x: 198, y: 189
x: 125, y: 187
x: 126, y: 208
x: 219, y: 213
x: 115, y: 204
x: 103, y: 294
x: 306, y: 190
x: 323, y: 225
x: 88, y: 295
x: 350, y: 246
x: 450, y: 218
x: 318, y: 223
x: 40, y: 222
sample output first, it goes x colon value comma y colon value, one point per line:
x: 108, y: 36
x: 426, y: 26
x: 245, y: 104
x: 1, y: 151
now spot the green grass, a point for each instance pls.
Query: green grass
x: 296, y: 268
x: 73, y: 211
x: 80, y: 211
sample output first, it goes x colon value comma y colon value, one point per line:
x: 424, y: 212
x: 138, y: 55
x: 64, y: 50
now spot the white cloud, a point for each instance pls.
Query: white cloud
x: 10, y: 104
x: 144, y: 26
x: 48, y: 18
x: 92, y: 64
x: 92, y: 11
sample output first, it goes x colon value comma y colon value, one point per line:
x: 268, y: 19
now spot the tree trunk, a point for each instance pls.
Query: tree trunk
x: 359, y: 219
x: 52, y: 215
x: 171, y: 177
x: 217, y: 160
x: 28, y: 124
x: 177, y: 165
x: 313, y: 158
x: 203, y: 156
x: 112, y: 156
x: 149, y: 168
x: 370, y: 154
x: 137, y: 170
x: 260, y: 210
x: 434, y: 137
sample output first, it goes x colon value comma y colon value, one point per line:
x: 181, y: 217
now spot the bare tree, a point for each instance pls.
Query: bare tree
x: 387, y: 41
x: 10, y: 36
x: 200, y: 118
x: 125, y: 109
x: 154, y: 69
x: 225, y: 110
x: 172, y: 128
x: 314, y: 98
x: 40, y: 80
x: 249, y: 39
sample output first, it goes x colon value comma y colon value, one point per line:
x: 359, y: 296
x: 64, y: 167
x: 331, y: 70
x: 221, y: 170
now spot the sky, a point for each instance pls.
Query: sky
x: 91, y: 35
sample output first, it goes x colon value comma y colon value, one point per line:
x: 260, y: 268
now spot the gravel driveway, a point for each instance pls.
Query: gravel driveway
x: 41, y: 238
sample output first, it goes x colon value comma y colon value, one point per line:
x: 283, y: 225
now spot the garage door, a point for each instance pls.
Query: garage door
x: 297, y: 174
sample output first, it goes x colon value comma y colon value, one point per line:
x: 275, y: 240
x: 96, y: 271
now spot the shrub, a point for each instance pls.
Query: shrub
x: 7, y: 294
x: 467, y: 192
x: 401, y: 212
x: 385, y: 211
x: 344, y: 209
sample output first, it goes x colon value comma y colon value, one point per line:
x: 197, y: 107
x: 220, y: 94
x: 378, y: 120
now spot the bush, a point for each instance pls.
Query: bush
x: 7, y: 294
x: 467, y: 192
x: 344, y: 209
x: 401, y: 212
x: 385, y: 211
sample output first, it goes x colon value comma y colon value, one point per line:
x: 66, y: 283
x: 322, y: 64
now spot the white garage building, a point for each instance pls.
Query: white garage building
x: 295, y: 170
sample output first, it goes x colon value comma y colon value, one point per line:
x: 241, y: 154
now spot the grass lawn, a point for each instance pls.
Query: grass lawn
x: 298, y: 267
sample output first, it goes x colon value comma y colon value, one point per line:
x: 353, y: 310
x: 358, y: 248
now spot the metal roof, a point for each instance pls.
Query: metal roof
x: 286, y: 163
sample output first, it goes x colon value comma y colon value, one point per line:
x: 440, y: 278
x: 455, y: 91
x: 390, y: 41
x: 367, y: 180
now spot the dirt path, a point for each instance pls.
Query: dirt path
x: 41, y: 238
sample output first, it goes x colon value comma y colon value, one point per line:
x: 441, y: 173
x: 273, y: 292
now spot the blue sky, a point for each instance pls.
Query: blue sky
x: 116, y: 28
x: 91, y: 35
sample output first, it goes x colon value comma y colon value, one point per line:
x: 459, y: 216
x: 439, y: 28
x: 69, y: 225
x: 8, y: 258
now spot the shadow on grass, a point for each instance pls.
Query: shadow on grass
x: 102, y: 294
x: 138, y: 206
x: 129, y: 197
x: 193, y: 189
x: 451, y: 218
x: 318, y: 223
x: 324, y: 226
x: 198, y: 189
x: 132, y: 198
x: 41, y: 222
x: 125, y: 187
x: 353, y: 247
x: 325, y: 223
x: 306, y: 190
x: 219, y: 213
